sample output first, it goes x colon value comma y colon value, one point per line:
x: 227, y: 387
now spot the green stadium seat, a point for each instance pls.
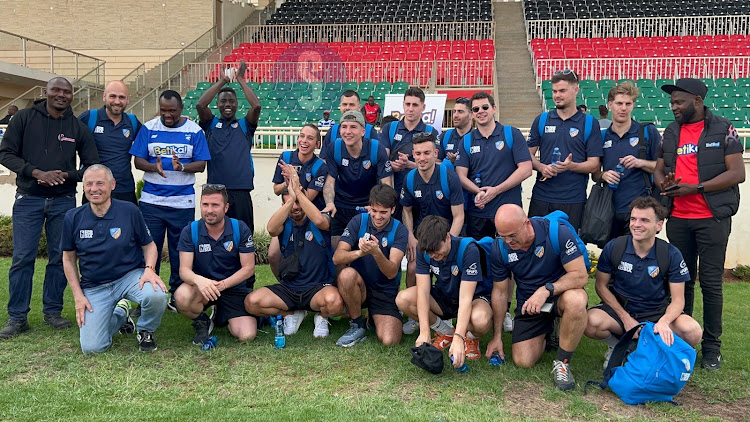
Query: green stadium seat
x: 267, y: 86
x: 723, y: 102
x: 607, y: 83
x: 546, y: 85
x: 316, y: 86
x: 189, y: 102
x: 254, y: 86
x: 735, y: 92
x: 365, y: 94
x: 335, y: 115
x: 366, y: 86
x: 269, y: 105
x: 299, y: 117
x: 743, y: 82
x: 725, y: 82
x: 283, y: 86
x: 643, y: 115
x: 734, y: 115
x: 276, y: 95
x: 193, y: 94
x: 331, y: 96
x: 619, y: 81
x: 645, y: 83
x: 657, y: 103
x: 710, y: 83
x: 400, y: 87
x: 383, y: 86
x: 640, y: 104
x: 350, y: 85
x: 592, y: 93
x: 235, y: 86
x: 715, y: 92
x: 203, y: 86
x: 665, y: 116
x: 549, y: 104
x: 333, y: 86
x: 709, y: 102
x: 586, y: 84
x: 650, y: 92
x: 661, y: 82
x: 300, y: 87
x: 742, y: 102
x: 288, y: 104
x: 548, y: 94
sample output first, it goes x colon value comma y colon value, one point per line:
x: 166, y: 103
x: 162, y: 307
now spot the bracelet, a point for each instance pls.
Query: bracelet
x: 460, y: 336
x: 151, y: 267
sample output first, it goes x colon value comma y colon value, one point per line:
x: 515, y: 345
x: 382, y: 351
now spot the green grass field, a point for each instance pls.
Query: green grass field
x: 45, y: 377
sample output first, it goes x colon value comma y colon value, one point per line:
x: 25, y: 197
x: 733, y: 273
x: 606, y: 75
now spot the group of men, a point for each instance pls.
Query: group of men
x: 449, y: 203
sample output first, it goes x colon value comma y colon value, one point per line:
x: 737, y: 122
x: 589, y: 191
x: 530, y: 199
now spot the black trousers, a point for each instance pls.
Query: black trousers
x: 705, y: 241
x: 539, y: 208
x: 241, y: 207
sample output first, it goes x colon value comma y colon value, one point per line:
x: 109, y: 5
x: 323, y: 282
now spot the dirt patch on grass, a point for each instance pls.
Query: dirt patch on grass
x: 693, y: 400
x: 525, y: 401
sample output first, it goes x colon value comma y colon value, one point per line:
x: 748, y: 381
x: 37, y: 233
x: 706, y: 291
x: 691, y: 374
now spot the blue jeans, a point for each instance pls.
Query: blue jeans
x: 106, y: 319
x: 30, y: 213
x: 160, y: 220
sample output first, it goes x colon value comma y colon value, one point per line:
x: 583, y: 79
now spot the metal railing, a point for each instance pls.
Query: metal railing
x: 638, y: 27
x: 27, y: 52
x: 33, y: 93
x: 86, y: 98
x: 136, y: 79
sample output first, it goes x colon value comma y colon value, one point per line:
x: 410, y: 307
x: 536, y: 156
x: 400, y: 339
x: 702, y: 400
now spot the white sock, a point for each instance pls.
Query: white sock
x: 470, y: 335
x: 611, y: 341
x: 442, y: 327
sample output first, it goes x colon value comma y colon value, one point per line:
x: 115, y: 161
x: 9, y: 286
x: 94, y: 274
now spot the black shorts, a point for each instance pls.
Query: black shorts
x: 341, y: 220
x: 449, y: 307
x: 231, y: 304
x: 296, y: 300
x: 652, y: 316
x: 479, y: 227
x: 380, y: 303
x: 539, y: 208
x: 527, y: 327
x: 241, y: 207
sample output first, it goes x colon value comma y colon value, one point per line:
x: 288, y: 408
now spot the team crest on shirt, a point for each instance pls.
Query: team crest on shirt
x: 384, y: 242
x: 126, y: 133
x: 454, y: 269
x: 499, y: 145
x: 234, y: 125
x: 229, y: 245
x: 219, y: 125
x: 653, y: 271
x: 115, y: 232
x: 439, y: 194
x: 308, y: 235
x: 308, y: 177
x: 633, y: 141
x: 539, y: 251
x: 366, y: 164
x: 573, y: 132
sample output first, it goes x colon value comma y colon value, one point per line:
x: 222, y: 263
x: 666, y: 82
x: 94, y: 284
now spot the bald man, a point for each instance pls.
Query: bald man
x: 550, y: 284
x: 114, y: 132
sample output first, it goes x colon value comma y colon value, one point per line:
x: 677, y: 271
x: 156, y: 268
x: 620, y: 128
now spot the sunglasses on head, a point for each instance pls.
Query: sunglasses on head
x: 484, y: 106
x: 423, y: 135
x: 566, y: 72
x: 213, y: 187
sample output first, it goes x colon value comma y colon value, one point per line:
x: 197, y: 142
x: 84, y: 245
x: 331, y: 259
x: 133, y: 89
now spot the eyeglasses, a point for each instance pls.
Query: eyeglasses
x: 462, y: 100
x: 213, y: 187
x: 484, y: 106
x: 422, y: 136
x: 514, y: 235
x: 566, y: 72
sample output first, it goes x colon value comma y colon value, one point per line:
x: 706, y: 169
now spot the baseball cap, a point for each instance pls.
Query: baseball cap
x: 427, y: 357
x: 353, y: 116
x: 326, y: 112
x: 689, y: 85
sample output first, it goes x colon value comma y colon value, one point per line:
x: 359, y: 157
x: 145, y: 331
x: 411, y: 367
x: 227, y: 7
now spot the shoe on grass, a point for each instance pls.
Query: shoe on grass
x: 321, y: 326
x: 562, y: 376
x: 472, y: 349
x: 711, y: 362
x: 410, y: 327
x: 352, y: 336
x: 146, y: 341
x: 203, y: 327
x: 293, y: 321
x: 57, y: 322
x: 442, y: 341
x: 13, y: 328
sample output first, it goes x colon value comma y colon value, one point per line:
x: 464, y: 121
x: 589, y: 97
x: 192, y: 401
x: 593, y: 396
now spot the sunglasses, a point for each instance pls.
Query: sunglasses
x: 483, y: 107
x: 566, y: 72
x: 462, y: 100
x: 212, y: 187
x: 423, y: 135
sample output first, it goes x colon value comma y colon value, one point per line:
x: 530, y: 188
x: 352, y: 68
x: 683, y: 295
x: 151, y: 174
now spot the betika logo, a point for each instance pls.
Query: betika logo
x: 713, y: 144
x: 171, y: 150
x: 687, y: 149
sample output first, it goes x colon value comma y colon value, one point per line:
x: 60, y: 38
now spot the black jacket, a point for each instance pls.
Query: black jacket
x: 36, y: 140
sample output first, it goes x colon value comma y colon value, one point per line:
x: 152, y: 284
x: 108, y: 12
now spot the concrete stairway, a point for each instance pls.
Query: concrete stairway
x: 519, y: 102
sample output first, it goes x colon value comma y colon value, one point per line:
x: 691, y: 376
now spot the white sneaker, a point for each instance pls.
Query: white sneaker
x: 321, y: 326
x: 608, y: 355
x: 410, y: 327
x: 508, y: 323
x: 293, y: 321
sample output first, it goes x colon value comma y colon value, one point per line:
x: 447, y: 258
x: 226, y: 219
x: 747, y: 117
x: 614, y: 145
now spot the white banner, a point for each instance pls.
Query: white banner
x: 433, y: 112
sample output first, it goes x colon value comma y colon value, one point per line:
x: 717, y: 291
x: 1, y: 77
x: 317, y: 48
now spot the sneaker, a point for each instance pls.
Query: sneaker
x: 13, y: 328
x: 472, y: 349
x: 293, y: 321
x: 57, y: 322
x: 128, y: 327
x: 562, y: 376
x: 508, y: 323
x: 352, y: 336
x: 410, y: 327
x: 171, y: 304
x: 607, y: 355
x: 711, y: 362
x: 203, y: 328
x: 146, y: 341
x: 441, y: 341
x: 321, y: 326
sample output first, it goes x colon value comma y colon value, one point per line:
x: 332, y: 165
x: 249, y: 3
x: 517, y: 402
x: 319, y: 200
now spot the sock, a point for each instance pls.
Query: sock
x: 201, y: 317
x: 563, y: 355
x: 508, y: 307
x: 442, y: 327
x: 611, y: 341
x: 470, y: 335
x: 359, y: 321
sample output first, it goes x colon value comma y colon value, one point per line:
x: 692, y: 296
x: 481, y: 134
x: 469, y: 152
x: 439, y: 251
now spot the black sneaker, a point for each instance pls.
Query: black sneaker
x: 171, y: 304
x: 711, y: 362
x: 146, y: 341
x: 128, y: 327
x: 203, y: 327
x: 57, y: 322
x: 13, y: 328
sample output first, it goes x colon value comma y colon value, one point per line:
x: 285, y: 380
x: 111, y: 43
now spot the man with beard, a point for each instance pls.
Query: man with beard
x: 448, y: 141
x: 114, y: 132
x: 168, y: 198
x: 699, y: 167
x: 40, y: 146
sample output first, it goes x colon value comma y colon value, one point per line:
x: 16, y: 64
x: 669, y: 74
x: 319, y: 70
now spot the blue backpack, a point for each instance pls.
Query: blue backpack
x: 235, y: 232
x: 485, y: 246
x: 654, y: 372
x: 587, y: 125
x: 337, y: 145
x: 390, y: 236
x: 287, y: 157
x: 94, y: 116
x: 317, y: 235
x: 555, y: 218
x: 507, y: 133
x: 443, y: 169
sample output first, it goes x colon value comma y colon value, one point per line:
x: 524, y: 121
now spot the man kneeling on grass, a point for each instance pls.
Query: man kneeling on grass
x: 306, y: 270
x: 217, y: 265
x: 109, y: 238
x: 460, y: 291
x: 635, y: 288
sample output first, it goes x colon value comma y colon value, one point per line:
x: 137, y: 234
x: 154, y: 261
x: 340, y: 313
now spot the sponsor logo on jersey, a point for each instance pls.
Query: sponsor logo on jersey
x: 625, y: 266
x: 550, y: 129
x: 475, y: 149
x: 512, y: 257
x: 570, y: 247
x: 417, y: 193
x: 607, y: 144
x: 204, y: 248
x: 472, y: 270
x: 126, y: 133
x: 345, y: 162
x: 98, y: 129
x: 687, y: 149
x: 219, y: 125
x: 86, y: 234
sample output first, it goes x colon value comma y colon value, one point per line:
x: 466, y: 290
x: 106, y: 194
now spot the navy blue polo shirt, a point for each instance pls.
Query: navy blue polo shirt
x: 356, y: 176
x: 539, y: 265
x: 638, y: 279
x: 218, y: 259
x: 366, y: 265
x: 402, y: 137
x: 307, y: 179
x: 495, y: 162
x: 448, y: 275
x: 448, y: 145
x: 113, y: 141
x: 370, y: 133
x: 231, y: 162
x: 632, y: 183
x: 315, y: 266
x: 568, y: 187
x: 429, y: 196
x: 108, y: 247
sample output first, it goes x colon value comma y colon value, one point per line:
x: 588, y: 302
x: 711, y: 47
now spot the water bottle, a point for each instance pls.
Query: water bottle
x: 361, y: 210
x: 279, y: 341
x: 556, y: 155
x: 620, y: 169
x: 210, y: 344
x: 478, y: 180
x: 496, y: 359
x: 463, y: 368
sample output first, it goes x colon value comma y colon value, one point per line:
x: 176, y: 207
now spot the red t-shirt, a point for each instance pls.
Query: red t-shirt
x: 371, y: 112
x: 692, y: 206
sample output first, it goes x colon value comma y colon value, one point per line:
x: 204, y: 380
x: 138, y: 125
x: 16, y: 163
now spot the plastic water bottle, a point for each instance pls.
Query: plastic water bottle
x: 478, y: 180
x: 279, y: 341
x: 620, y: 169
x: 210, y: 344
x: 463, y: 368
x: 556, y: 155
x: 496, y: 359
x: 361, y: 210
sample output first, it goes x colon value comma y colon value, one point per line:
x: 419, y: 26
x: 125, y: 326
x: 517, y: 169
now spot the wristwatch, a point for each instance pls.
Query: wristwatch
x: 700, y: 188
x: 550, y: 288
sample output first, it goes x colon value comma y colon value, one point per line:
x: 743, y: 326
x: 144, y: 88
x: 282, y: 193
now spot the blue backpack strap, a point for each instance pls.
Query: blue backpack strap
x: 554, y: 235
x: 446, y: 138
x: 363, y: 225
x: 284, y: 239
x: 467, y: 144
x: 334, y: 131
x: 508, y: 133
x: 368, y: 131
x: 286, y: 157
x: 542, y: 123
x: 194, y: 233
x: 337, y: 151
x: 587, y: 126
x: 461, y: 250
x: 243, y: 125
x: 503, y: 251
x: 374, y: 152
x: 392, y: 233
x: 316, y: 166
x: 392, y: 132
x: 133, y: 122
x: 93, y: 117
x: 448, y: 165
x: 410, y: 181
x: 444, y: 181
x: 427, y: 258
x: 429, y: 128
x: 317, y: 235
x: 235, y: 232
